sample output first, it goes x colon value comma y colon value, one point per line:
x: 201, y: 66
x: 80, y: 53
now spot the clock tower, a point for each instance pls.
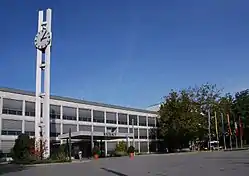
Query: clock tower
x: 43, y: 41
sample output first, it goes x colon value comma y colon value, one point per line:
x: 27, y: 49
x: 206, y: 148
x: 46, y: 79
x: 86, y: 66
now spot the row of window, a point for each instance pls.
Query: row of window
x: 14, y: 107
x: 14, y: 127
x: 54, y: 134
x: 30, y: 133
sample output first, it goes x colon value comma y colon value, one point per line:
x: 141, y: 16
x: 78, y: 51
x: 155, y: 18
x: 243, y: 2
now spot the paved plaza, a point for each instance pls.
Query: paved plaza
x: 186, y: 164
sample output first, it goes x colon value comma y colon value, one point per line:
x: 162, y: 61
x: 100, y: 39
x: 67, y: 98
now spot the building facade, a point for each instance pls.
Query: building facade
x: 17, y: 115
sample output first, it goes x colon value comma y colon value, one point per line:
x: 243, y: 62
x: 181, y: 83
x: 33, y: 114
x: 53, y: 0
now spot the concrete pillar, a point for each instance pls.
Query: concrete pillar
x: 61, y: 123
x: 105, y: 138
x: 92, y: 141
x: 23, y: 108
x: 77, y: 118
x: 1, y: 109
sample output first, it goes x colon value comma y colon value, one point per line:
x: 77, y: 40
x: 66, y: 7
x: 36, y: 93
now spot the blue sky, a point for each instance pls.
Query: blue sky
x: 130, y: 52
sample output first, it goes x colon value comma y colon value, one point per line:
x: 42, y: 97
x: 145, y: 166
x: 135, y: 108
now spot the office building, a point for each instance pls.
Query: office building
x: 104, y: 123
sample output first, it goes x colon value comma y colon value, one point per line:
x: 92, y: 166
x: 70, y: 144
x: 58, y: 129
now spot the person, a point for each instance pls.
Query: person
x: 80, y: 155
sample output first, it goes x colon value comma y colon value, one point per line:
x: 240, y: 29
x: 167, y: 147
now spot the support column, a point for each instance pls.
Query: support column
x: 148, y: 141
x: 77, y: 118
x: 138, y: 134
x: 23, y: 108
x: 1, y: 108
x: 38, y: 86
x: 92, y: 142
x: 61, y: 123
x: 47, y: 87
x: 105, y: 137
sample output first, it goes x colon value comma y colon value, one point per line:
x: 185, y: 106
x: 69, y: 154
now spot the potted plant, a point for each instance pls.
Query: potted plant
x: 96, y: 152
x: 131, y: 151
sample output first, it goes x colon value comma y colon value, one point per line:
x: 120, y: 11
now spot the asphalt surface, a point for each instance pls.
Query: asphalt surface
x: 186, y: 164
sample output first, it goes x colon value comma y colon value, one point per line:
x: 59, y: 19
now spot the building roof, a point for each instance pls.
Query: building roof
x: 74, y: 100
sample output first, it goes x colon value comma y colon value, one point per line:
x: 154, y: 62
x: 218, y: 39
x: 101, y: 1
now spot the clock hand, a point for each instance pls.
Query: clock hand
x: 43, y: 37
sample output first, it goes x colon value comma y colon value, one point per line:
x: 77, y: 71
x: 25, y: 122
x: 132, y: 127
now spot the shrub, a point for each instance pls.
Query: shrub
x: 131, y: 149
x: 96, y: 150
x: 60, y: 153
x: 23, y: 146
x: 121, y: 147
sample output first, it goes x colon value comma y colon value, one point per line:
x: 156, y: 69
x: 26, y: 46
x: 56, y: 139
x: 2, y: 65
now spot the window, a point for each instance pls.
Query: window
x: 143, y: 133
x: 152, y: 133
x: 122, y: 130
x: 151, y: 121
x: 143, y: 147
x: 99, y: 128
x: 132, y: 117
x: 11, y: 106
x: 111, y: 117
x: 55, y: 129
x: 98, y: 116
x: 66, y: 128
x: 85, y: 128
x: 11, y: 127
x: 69, y: 113
x: 55, y: 112
x: 7, y: 145
x: 122, y: 118
x: 136, y: 133
x: 142, y: 121
x: 85, y: 115
x: 29, y: 108
x: 29, y: 128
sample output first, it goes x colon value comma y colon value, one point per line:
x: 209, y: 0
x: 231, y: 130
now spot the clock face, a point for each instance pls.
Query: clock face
x: 42, y: 39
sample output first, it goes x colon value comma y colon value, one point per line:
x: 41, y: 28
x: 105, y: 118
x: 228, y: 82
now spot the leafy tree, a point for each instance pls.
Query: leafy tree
x: 179, y: 120
x: 184, y: 114
x: 22, y: 148
x: 241, y: 109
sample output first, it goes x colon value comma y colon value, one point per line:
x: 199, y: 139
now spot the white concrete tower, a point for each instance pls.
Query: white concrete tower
x: 43, y: 46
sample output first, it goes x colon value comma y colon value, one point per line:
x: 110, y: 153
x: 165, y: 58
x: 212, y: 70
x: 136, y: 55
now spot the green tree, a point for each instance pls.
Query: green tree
x: 183, y: 115
x: 22, y: 148
x: 241, y: 109
x: 179, y: 119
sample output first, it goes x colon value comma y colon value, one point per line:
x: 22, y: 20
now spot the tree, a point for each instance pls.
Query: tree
x: 22, y: 148
x: 241, y: 109
x: 184, y: 114
x: 179, y: 119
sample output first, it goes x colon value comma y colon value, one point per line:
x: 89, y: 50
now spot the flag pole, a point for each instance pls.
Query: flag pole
x: 216, y: 129
x: 240, y: 132
x: 229, y: 128
x: 223, y: 131
x: 209, y: 129
x: 236, y: 128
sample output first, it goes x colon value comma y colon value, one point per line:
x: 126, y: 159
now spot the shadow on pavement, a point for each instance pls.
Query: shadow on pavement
x: 7, y: 168
x: 114, y: 172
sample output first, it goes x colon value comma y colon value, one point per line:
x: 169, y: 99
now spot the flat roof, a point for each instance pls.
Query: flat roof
x: 74, y: 100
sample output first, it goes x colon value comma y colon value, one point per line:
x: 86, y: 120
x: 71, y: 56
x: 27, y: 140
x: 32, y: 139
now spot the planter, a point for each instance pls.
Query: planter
x: 96, y: 156
x: 131, y: 155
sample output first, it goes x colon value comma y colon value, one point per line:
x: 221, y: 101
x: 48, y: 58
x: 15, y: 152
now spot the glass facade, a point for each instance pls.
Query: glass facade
x: 144, y: 126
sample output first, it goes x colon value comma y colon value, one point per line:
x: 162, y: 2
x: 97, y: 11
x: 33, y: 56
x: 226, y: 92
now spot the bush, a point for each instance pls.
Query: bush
x: 23, y: 146
x: 45, y: 161
x: 60, y: 153
x: 131, y: 149
x: 121, y: 147
x: 96, y: 150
